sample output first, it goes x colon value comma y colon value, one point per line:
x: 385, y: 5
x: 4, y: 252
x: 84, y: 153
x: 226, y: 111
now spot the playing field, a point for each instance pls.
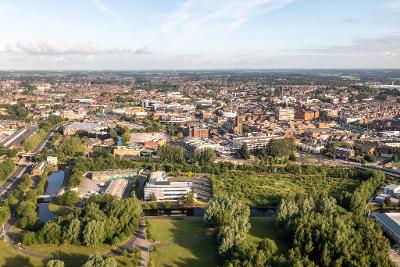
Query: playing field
x: 183, y: 242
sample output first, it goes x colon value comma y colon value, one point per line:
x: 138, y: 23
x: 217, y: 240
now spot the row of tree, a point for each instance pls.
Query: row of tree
x: 103, y: 219
x: 325, y: 234
x: 7, y: 167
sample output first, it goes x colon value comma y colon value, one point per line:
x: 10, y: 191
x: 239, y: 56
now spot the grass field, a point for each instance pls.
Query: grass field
x: 264, y: 227
x: 267, y: 189
x: 11, y: 258
x: 183, y: 242
x: 59, y: 210
x: 73, y: 256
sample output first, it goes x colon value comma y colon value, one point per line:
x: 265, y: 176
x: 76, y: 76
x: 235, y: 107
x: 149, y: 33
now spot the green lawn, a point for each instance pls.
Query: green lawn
x: 183, y: 242
x: 60, y: 210
x: 264, y: 227
x: 267, y: 189
x: 10, y: 258
x: 72, y: 255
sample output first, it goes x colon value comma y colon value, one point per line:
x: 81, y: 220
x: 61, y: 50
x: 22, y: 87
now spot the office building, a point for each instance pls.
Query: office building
x: 160, y: 187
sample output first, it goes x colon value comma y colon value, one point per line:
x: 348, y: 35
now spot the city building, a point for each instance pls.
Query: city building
x: 342, y: 152
x: 127, y: 151
x: 161, y: 188
x: 113, y: 174
x: 285, y: 114
x: 117, y: 187
x: 197, y: 131
x: 94, y: 128
x: 254, y: 142
x: 52, y: 160
x: 39, y: 168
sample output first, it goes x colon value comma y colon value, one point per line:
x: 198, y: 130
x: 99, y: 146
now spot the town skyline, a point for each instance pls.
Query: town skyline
x: 184, y: 34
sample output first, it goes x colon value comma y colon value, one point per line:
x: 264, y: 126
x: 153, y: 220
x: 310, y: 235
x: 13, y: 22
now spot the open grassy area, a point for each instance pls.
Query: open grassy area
x: 59, y: 210
x: 11, y: 258
x: 183, y: 242
x: 265, y: 189
x: 72, y: 255
x: 264, y: 227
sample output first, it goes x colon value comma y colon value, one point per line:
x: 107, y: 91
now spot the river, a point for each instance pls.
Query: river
x: 54, y: 183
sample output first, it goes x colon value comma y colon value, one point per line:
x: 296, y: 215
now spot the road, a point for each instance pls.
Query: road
x: 12, y: 182
x: 15, y: 178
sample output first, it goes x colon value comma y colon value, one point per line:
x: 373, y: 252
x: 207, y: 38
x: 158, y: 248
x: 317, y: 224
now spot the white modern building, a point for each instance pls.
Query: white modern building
x: 162, y: 188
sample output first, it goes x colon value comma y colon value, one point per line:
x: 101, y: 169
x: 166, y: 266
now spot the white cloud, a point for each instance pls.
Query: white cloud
x: 51, y: 49
x: 394, y: 5
x: 101, y: 6
x: 195, y: 16
x: 364, y: 46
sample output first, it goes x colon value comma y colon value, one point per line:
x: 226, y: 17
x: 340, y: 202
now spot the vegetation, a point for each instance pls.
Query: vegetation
x: 172, y: 154
x: 324, y: 234
x: 204, y: 156
x: 266, y: 189
x: 190, y: 243
x: 14, y: 112
x: 100, y: 261
x: 7, y: 167
x: 245, y: 152
x: 231, y: 218
x: 9, y: 153
x: 32, y: 141
x: 104, y: 219
x: 69, y: 198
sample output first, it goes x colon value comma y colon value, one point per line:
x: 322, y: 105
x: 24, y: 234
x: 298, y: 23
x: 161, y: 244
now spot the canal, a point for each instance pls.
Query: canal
x: 54, y: 183
x: 199, y: 212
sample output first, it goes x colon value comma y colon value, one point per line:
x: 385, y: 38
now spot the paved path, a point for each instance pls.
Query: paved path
x: 138, y: 240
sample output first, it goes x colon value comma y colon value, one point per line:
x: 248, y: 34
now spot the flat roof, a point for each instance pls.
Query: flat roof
x: 391, y: 221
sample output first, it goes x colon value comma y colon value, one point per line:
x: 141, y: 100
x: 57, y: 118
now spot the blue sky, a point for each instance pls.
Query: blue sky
x: 199, y: 34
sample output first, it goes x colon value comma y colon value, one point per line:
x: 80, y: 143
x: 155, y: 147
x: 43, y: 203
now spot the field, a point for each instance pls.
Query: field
x: 72, y: 255
x: 264, y: 227
x: 59, y: 210
x: 10, y: 258
x: 265, y: 189
x: 182, y: 242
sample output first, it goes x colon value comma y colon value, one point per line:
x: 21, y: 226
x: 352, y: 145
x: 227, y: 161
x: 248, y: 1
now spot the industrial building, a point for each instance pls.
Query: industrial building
x: 114, y: 174
x: 162, y: 188
x: 390, y: 223
x: 117, y: 187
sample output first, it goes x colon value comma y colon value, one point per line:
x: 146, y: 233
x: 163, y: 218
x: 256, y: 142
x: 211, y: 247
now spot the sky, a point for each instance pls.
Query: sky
x: 198, y: 34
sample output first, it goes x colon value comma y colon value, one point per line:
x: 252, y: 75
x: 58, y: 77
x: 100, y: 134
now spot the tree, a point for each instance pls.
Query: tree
x: 281, y: 147
x: 268, y: 246
x: 29, y: 238
x: 244, y: 151
x: 189, y: 199
x: 4, y: 214
x: 69, y: 198
x: 231, y: 217
x: 100, y: 261
x: 204, y: 156
x: 50, y: 233
x: 55, y: 263
x: 172, y: 154
x: 93, y: 233
x: 72, y: 234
